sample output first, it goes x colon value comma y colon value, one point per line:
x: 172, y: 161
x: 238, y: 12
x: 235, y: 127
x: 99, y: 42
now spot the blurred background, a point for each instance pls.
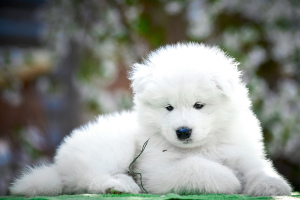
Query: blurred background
x: 62, y: 63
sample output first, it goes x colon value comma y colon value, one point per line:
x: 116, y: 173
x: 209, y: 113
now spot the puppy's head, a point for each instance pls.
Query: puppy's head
x: 187, y: 93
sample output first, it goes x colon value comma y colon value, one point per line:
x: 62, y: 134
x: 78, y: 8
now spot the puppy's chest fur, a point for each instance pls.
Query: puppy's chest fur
x: 158, y: 156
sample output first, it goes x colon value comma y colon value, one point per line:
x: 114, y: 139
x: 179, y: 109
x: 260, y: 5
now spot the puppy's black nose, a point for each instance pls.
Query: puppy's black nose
x: 183, y: 133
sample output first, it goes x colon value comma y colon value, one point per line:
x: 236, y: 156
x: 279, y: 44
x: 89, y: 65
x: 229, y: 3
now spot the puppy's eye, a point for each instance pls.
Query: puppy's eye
x: 169, y: 107
x: 198, y: 105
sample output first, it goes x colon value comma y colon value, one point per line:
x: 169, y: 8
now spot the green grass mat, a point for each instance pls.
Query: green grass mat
x: 295, y: 196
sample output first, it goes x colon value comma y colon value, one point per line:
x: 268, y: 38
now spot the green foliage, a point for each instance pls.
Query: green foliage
x: 90, y: 67
x: 93, y: 107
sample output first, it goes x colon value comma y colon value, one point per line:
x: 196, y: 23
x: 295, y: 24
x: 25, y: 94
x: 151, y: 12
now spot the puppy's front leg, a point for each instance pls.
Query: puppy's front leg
x: 261, y: 179
x: 192, y: 175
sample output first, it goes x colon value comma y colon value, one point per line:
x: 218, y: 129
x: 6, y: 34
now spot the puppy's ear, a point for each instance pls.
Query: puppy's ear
x: 227, y: 78
x: 139, y: 75
x: 225, y: 86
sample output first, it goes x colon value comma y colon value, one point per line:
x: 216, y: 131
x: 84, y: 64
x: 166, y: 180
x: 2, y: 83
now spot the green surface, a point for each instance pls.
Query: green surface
x: 148, y: 197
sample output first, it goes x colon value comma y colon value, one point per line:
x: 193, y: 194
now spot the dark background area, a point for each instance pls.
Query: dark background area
x: 64, y: 62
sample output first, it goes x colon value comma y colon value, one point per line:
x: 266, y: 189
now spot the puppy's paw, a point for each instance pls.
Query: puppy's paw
x: 205, y: 176
x: 267, y: 186
x: 121, y: 183
x: 225, y: 183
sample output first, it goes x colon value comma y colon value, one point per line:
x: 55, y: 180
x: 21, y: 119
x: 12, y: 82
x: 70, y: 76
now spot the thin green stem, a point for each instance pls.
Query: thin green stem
x: 130, y: 166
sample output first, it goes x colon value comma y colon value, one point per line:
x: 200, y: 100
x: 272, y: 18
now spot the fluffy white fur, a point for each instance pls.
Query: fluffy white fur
x: 224, y: 154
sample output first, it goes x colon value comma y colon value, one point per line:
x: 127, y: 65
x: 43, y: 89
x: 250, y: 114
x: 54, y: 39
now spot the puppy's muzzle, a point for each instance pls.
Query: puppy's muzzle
x: 183, y: 133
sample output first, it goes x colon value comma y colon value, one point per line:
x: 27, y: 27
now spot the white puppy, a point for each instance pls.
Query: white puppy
x: 203, y: 136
